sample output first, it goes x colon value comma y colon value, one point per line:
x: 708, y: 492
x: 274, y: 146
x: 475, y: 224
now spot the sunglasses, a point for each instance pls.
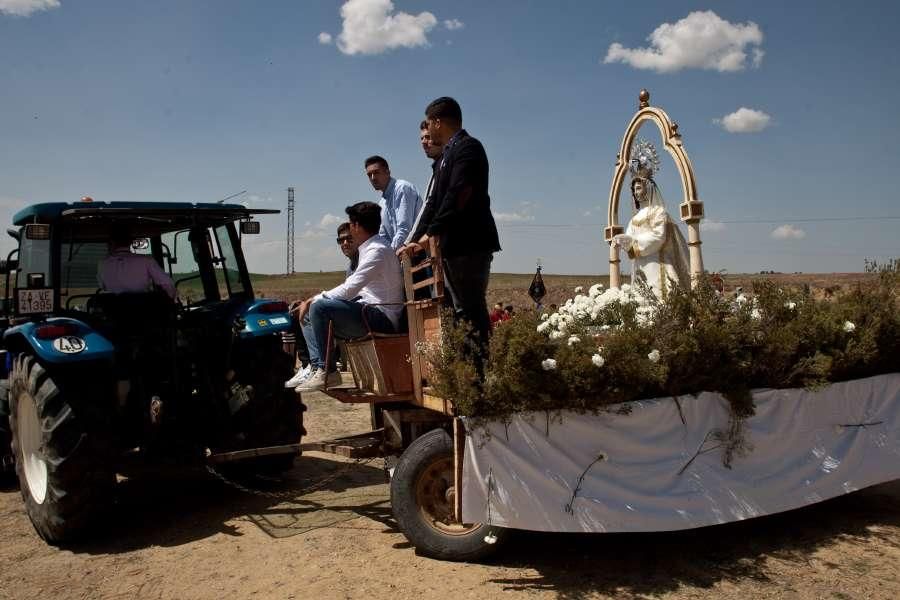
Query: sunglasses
x: 344, y: 238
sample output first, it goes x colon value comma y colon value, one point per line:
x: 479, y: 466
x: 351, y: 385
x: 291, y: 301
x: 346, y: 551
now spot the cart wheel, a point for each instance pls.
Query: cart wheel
x: 422, y: 496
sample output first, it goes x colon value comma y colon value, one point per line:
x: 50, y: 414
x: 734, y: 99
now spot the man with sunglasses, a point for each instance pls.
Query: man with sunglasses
x: 350, y: 249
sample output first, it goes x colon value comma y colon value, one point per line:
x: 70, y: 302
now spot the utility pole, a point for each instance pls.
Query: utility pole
x: 290, y: 232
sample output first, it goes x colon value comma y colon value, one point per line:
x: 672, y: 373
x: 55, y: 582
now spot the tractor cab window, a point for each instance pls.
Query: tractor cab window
x: 227, y: 270
x: 183, y: 267
x: 79, y: 263
x: 34, y: 261
x: 203, y: 264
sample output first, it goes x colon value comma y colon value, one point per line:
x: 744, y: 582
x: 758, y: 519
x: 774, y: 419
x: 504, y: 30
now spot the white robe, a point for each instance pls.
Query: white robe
x: 658, y: 251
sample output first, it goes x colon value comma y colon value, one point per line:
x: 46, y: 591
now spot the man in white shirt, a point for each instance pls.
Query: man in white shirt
x: 370, y: 299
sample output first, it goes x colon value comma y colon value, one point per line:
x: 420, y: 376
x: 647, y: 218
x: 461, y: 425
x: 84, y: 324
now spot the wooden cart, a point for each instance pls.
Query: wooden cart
x: 410, y: 424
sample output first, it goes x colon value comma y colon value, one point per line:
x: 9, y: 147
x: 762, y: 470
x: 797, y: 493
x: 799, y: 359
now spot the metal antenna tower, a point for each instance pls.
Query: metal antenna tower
x: 290, y: 232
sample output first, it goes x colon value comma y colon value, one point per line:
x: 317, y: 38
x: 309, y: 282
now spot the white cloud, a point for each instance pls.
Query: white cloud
x: 324, y: 38
x: 512, y: 217
x: 712, y: 226
x: 372, y: 27
x: 522, y: 215
x: 453, y: 24
x: 23, y: 8
x: 252, y: 199
x: 326, y: 226
x: 788, y: 232
x: 744, y: 120
x: 701, y: 40
x: 330, y: 220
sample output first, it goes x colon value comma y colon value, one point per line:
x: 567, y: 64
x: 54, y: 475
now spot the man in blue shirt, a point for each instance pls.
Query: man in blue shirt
x: 400, y: 201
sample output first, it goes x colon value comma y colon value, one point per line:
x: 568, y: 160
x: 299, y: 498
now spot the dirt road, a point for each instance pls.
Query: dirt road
x: 192, y: 536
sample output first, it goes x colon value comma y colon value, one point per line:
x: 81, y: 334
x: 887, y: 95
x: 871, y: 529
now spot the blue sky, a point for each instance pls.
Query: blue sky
x: 193, y: 101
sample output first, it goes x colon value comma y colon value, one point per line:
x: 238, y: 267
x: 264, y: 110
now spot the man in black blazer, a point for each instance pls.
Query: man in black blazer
x: 458, y: 215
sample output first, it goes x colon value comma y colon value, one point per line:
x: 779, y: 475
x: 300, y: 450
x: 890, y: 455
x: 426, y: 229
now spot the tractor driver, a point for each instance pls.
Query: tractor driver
x: 124, y: 272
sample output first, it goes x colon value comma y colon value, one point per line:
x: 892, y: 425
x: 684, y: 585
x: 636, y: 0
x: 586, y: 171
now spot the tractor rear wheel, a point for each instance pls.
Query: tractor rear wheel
x: 64, y: 466
x: 6, y: 457
x: 422, y: 497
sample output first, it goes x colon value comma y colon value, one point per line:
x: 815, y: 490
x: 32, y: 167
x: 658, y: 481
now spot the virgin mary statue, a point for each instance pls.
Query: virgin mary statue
x: 652, y: 240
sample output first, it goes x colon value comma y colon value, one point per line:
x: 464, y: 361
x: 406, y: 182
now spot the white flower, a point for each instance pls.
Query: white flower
x: 595, y: 290
x: 579, y: 289
x: 598, y: 360
x: 849, y: 326
x: 554, y: 319
x: 548, y: 364
x: 544, y: 317
x: 556, y: 335
x: 740, y: 299
x: 490, y: 538
x: 653, y: 356
x: 543, y: 327
x: 755, y: 313
x: 573, y: 339
x: 790, y: 305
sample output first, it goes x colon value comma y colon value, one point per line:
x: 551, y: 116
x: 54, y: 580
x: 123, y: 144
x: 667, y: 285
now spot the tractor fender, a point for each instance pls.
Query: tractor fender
x: 264, y: 317
x: 59, y: 340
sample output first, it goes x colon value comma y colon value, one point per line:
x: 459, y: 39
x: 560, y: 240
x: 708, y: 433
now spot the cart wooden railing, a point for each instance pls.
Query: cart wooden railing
x: 424, y: 318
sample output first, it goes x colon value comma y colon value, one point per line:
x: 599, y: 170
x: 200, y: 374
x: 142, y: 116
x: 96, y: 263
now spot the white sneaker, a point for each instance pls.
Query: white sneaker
x: 317, y: 381
x: 301, y: 376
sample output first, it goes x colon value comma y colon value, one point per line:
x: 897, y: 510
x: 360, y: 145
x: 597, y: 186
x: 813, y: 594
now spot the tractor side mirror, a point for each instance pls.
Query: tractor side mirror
x: 13, y: 233
x: 7, y: 266
x: 250, y: 227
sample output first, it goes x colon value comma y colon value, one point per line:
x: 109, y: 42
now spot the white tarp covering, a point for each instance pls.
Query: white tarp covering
x: 805, y: 447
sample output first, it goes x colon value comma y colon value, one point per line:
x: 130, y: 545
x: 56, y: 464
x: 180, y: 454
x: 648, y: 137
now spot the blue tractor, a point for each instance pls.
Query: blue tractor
x: 95, y: 384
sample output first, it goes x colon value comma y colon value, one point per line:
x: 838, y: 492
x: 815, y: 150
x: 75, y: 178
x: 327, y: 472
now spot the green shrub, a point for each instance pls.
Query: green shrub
x: 696, y: 340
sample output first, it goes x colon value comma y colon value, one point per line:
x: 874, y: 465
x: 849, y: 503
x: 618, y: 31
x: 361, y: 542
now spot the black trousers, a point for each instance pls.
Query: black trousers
x: 466, y: 278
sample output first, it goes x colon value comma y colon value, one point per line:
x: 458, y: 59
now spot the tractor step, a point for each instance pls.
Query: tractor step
x: 361, y: 445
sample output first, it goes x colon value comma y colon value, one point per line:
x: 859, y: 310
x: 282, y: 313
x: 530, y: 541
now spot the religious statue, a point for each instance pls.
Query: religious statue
x: 652, y: 240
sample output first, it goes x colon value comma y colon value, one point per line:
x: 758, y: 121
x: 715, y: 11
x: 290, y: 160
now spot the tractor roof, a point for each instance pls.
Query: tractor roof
x: 173, y: 212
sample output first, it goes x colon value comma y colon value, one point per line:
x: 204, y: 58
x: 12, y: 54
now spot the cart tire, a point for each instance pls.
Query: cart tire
x: 65, y: 473
x: 421, y: 502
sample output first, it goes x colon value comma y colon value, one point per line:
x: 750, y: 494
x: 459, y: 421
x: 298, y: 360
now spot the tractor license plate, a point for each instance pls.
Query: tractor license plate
x: 35, y: 301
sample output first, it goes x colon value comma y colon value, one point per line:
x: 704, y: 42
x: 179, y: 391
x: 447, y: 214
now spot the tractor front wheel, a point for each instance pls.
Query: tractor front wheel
x: 64, y: 467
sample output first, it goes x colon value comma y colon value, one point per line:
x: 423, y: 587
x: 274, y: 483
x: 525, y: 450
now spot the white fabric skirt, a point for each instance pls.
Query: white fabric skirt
x: 658, y: 464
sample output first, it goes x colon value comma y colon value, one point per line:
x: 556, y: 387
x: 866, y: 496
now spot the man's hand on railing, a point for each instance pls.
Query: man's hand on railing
x: 409, y: 249
x: 426, y: 243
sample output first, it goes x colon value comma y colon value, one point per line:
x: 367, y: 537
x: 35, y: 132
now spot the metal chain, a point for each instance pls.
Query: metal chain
x: 288, y: 494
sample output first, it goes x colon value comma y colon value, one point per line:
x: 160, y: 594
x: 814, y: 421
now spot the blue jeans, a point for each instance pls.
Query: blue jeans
x: 347, y: 317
